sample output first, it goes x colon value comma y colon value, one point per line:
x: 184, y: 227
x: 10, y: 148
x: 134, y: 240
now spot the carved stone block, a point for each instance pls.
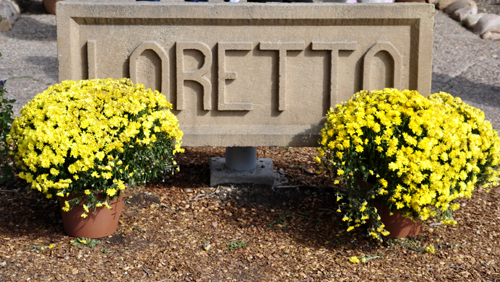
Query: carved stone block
x: 249, y: 74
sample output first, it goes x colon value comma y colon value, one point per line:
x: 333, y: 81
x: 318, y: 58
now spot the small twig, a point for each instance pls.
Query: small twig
x: 309, y: 172
x: 11, y: 191
x: 168, y: 278
x: 199, y: 197
x: 326, y: 209
x: 334, y: 212
x: 452, y: 266
x: 145, y: 271
x: 293, y: 214
x: 286, y: 186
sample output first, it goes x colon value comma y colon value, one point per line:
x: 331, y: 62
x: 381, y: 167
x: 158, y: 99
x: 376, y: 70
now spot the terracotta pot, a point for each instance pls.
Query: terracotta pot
x: 99, y: 223
x: 399, y: 226
x: 50, y: 6
x: 396, y: 224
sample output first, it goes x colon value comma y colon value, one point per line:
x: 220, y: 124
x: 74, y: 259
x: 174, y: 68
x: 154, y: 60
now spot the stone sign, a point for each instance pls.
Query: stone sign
x: 249, y: 74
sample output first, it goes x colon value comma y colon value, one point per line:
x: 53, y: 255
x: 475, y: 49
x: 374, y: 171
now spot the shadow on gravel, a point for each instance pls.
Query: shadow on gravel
x: 27, y: 28
x: 34, y: 7
x: 484, y: 94
x: 49, y: 65
x: 40, y: 216
x: 307, y: 215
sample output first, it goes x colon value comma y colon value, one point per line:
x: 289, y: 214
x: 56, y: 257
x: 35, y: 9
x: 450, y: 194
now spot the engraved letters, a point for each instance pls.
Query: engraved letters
x: 91, y: 52
x: 367, y: 63
x: 165, y: 72
x: 196, y: 75
x: 226, y: 75
x: 334, y: 47
x: 202, y: 74
x: 282, y: 47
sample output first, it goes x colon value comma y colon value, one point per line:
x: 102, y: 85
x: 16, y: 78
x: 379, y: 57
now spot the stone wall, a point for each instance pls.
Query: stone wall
x: 241, y: 74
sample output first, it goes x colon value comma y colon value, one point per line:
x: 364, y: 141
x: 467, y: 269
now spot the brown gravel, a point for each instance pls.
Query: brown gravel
x: 247, y: 232
x: 242, y: 233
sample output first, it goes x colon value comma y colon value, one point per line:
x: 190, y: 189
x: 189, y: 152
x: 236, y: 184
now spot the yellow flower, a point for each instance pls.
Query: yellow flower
x: 111, y: 192
x: 430, y: 249
x: 87, y: 192
x: 433, y: 148
x: 383, y: 182
x: 79, y: 124
x: 84, y: 215
x: 66, y: 206
x: 350, y: 228
x: 354, y: 259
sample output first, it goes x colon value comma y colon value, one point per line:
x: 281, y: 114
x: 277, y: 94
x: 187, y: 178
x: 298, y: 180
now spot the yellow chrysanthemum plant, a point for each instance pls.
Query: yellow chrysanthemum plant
x: 410, y: 153
x: 95, y: 137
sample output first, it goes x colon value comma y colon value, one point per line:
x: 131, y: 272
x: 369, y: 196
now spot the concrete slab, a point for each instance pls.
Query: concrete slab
x: 262, y: 174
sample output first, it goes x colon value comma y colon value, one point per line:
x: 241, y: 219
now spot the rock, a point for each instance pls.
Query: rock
x: 492, y: 34
x: 486, y: 23
x: 3, y: 264
x: 462, y: 14
x: 459, y: 4
x: 471, y: 20
x: 9, y: 10
x: 5, y: 25
x: 189, y: 190
x: 207, y: 246
x: 495, y: 29
x: 442, y: 4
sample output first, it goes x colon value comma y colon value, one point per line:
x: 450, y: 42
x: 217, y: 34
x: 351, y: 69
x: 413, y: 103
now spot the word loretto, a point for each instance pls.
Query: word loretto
x: 200, y: 75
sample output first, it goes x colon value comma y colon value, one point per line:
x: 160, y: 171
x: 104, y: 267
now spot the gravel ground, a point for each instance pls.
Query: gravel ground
x: 464, y: 65
x: 488, y: 6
